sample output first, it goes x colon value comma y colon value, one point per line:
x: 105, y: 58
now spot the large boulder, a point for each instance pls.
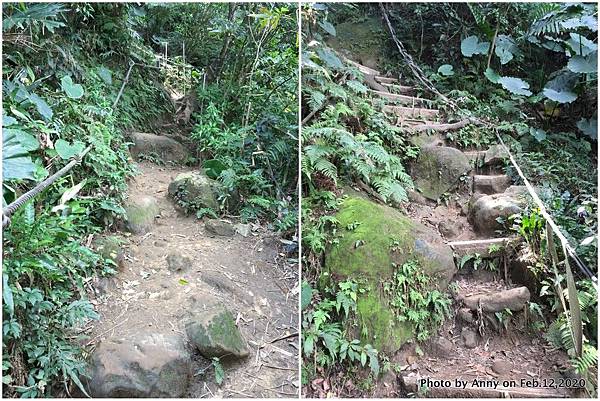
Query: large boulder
x: 194, y: 190
x: 485, y: 210
x: 167, y: 149
x: 140, y: 212
x: 214, y: 333
x: 141, y: 366
x: 376, y: 241
x: 438, y: 169
x: 495, y: 156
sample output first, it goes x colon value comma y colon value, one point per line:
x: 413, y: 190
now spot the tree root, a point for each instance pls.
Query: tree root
x: 443, y: 127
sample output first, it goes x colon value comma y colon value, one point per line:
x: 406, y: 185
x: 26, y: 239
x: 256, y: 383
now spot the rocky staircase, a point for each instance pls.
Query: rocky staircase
x: 480, y: 296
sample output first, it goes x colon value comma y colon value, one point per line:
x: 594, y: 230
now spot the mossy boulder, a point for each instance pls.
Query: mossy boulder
x: 111, y: 249
x: 374, y: 239
x: 215, y: 334
x: 438, y: 169
x: 194, y: 190
x: 360, y: 41
x: 140, y: 212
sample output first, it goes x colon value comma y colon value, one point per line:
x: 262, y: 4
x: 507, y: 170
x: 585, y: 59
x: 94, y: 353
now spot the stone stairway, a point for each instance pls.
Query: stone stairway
x: 475, y: 343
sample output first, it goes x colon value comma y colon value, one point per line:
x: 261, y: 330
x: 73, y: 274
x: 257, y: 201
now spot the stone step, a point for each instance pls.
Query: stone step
x: 475, y: 155
x: 405, y: 90
x: 513, y: 299
x: 411, y: 111
x: 363, y: 68
x: 491, y: 184
x: 482, y: 246
x: 385, y: 80
x: 414, y: 384
x: 402, y: 99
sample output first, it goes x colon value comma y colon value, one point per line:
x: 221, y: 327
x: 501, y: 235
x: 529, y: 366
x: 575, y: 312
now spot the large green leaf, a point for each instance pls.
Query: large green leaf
x: 506, y: 48
x: 491, y: 75
x: 471, y: 45
x: 580, y: 45
x: 213, y: 168
x: 589, y: 127
x: 330, y: 58
x: 328, y: 27
x: 74, y: 91
x: 515, y: 86
x: 105, y: 74
x: 16, y: 163
x: 564, y: 96
x: 66, y: 150
x: 28, y: 141
x: 42, y: 107
x: 538, y: 133
x: 7, y: 295
x: 584, y: 65
x: 446, y: 70
x: 306, y: 294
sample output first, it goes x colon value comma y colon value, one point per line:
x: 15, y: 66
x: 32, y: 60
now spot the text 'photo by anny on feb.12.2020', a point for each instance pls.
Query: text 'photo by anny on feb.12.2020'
x: 150, y: 200
x: 449, y: 200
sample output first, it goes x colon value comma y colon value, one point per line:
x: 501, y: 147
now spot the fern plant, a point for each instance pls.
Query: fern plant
x: 349, y: 140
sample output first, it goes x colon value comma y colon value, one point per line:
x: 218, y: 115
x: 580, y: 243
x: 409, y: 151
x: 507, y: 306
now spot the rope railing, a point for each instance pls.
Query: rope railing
x: 21, y: 200
x: 15, y: 205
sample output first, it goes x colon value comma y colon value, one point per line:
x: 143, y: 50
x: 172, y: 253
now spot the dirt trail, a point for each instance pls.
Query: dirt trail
x: 247, y: 274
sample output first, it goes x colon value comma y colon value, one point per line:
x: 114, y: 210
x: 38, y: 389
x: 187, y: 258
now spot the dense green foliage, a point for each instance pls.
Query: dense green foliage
x: 63, y: 66
x: 245, y: 77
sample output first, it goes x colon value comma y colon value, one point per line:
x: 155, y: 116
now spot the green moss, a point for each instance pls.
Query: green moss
x: 374, y: 240
x: 378, y: 324
x: 223, y: 329
x: 363, y: 39
x: 194, y: 190
x: 140, y: 214
x: 378, y: 227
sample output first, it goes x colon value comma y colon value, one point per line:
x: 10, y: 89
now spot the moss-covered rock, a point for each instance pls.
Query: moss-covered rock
x: 360, y: 41
x: 375, y: 238
x: 110, y: 248
x: 194, y: 190
x: 438, y: 169
x: 140, y: 213
x: 215, y: 334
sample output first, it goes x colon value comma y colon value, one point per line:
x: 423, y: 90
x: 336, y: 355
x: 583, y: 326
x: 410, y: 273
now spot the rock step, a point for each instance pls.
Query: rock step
x: 385, y: 80
x: 491, y: 184
x: 413, y: 385
x: 475, y: 155
x: 481, y: 247
x: 363, y: 68
x: 513, y: 299
x: 411, y: 111
x: 402, y: 99
x: 405, y: 90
